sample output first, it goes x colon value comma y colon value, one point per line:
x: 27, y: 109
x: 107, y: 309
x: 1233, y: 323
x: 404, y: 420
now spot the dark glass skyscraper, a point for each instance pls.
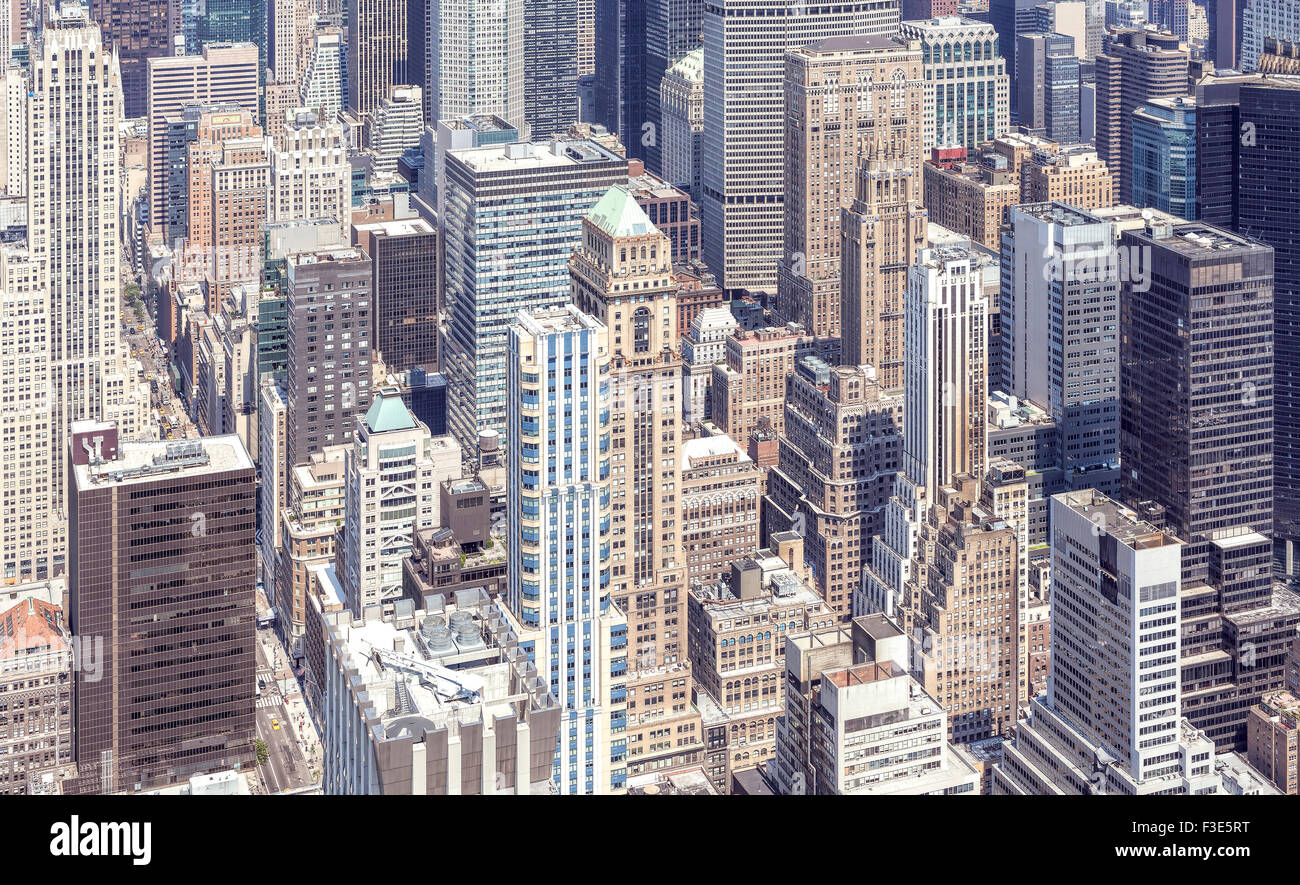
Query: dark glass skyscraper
x: 1247, y: 179
x: 551, y: 65
x: 1196, y: 437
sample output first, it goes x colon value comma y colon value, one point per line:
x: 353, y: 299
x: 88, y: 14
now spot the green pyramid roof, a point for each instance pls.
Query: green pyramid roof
x: 619, y: 215
x: 388, y: 412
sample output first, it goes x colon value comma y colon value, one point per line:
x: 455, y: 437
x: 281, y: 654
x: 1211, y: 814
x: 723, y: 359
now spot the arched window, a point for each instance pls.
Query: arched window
x: 641, y: 328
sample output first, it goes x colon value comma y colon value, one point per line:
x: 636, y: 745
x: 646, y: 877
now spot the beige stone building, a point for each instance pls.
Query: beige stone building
x: 1075, y: 176
x: 964, y: 614
x: 842, y: 95
x: 970, y: 198
x: 622, y: 274
x: 721, y: 497
x: 1273, y: 740
x: 36, y: 660
x: 750, y: 385
x: 738, y: 630
x: 839, y: 455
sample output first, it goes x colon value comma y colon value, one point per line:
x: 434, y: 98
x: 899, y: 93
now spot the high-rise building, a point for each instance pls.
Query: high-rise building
x: 703, y: 346
x: 139, y: 30
x: 377, y: 52
x: 1187, y: 342
x: 396, y: 128
x: 324, y: 85
x: 881, y: 234
x: 945, y: 391
x: 435, y: 701
x: 1164, y: 156
x: 150, y: 520
x: 328, y: 378
x: 288, y: 32
x: 838, y: 459
x: 1010, y: 19
x: 554, y: 185
x: 13, y: 132
x: 1063, y: 352
x: 73, y: 217
x: 1136, y: 67
x: 225, y: 75
x: 1273, y: 740
x: 36, y: 663
x: 1073, y: 175
x: 743, y: 180
x: 1111, y: 721
x: 970, y: 102
x: 681, y: 133
x: 757, y: 588
x: 748, y: 387
x: 721, y: 492
x: 550, y: 66
x: 394, y: 469
x: 1073, y: 19
x: 310, y: 175
x: 404, y: 289
x: 622, y: 274
x: 29, y: 508
x: 848, y: 692
x: 1049, y: 90
x: 671, y: 211
x: 969, y: 197
x: 233, y: 21
x: 561, y: 559
x: 476, y: 60
x: 1261, y: 19
x: 848, y: 100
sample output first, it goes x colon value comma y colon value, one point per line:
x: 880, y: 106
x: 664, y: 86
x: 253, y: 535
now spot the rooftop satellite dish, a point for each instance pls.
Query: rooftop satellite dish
x: 1147, y: 214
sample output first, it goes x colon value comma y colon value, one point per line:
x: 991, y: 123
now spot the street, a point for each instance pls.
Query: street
x: 287, y: 768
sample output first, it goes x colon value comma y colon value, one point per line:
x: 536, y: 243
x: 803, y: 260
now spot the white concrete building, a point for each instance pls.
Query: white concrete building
x: 967, y: 91
x: 397, y: 127
x: 475, y: 59
x: 1111, y: 721
x: 1266, y: 18
x: 310, y: 174
x: 703, y: 347
x: 394, y: 471
x: 681, y: 109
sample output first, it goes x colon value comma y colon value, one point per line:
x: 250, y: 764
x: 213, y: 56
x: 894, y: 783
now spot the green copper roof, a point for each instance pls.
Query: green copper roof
x: 388, y: 412
x: 619, y: 215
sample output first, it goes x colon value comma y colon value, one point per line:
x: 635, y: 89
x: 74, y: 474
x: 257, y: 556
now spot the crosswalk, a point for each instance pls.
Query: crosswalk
x: 267, y: 703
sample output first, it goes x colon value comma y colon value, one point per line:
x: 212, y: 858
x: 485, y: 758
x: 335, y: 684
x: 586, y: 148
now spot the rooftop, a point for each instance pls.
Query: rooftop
x: 710, y: 447
x: 145, y: 461
x: 1118, y: 521
x: 388, y: 412
x: 618, y: 214
x: 520, y: 156
x: 692, y: 782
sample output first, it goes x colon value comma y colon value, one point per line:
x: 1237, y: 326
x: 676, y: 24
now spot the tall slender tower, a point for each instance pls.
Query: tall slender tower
x: 841, y: 95
x: 622, y: 274
x: 560, y: 554
x: 881, y: 235
x: 376, y: 52
x: 138, y: 30
x: 73, y: 180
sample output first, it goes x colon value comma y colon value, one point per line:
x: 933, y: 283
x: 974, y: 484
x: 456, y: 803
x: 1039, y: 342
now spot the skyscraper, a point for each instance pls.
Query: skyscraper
x: 550, y: 66
x: 622, y: 274
x: 140, y: 30
x: 404, y: 258
x: 881, y: 234
x: 393, y: 473
x: 1010, y: 19
x: 162, y: 566
x: 476, y: 60
x: 742, y: 210
x: 73, y: 212
x: 1164, y: 156
x: 492, y: 271
x: 561, y: 560
x: 1197, y: 441
x: 1049, y: 91
x: 874, y: 111
x: 1061, y: 350
x: 1111, y: 721
x: 327, y: 382
x: 945, y: 392
x: 967, y: 84
x: 220, y: 75
x: 376, y: 38
x: 1136, y: 67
